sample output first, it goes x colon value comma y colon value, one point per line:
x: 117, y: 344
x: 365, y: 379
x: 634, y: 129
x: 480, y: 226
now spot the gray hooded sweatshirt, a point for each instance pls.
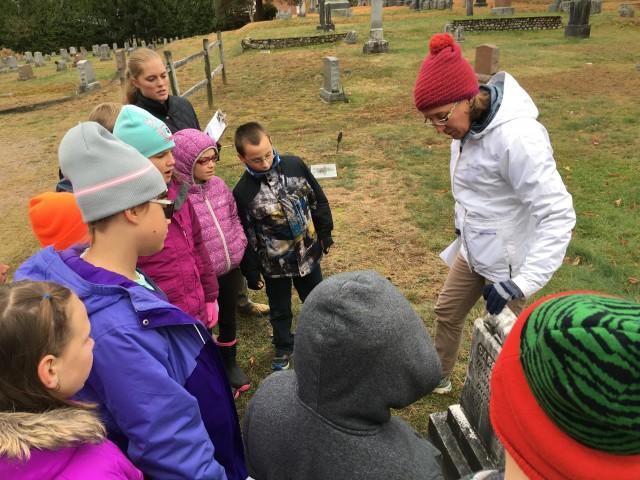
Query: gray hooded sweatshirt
x: 360, y: 350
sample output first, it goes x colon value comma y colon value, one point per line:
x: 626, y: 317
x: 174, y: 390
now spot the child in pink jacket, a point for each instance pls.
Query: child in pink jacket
x: 46, y: 354
x: 196, y: 155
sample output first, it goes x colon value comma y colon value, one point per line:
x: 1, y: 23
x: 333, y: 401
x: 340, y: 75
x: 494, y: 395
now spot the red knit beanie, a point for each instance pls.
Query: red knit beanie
x: 56, y: 220
x: 445, y: 76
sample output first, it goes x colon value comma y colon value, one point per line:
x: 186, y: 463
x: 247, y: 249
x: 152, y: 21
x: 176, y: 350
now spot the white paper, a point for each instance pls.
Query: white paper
x: 324, y: 170
x: 449, y: 254
x: 217, y: 125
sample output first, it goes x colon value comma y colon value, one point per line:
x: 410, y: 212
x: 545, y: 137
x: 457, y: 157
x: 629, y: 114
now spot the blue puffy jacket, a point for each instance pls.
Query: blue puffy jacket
x: 157, y: 375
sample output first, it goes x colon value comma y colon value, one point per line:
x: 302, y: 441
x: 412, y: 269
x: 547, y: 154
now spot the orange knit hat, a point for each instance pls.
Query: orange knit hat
x: 445, y: 75
x: 56, y: 220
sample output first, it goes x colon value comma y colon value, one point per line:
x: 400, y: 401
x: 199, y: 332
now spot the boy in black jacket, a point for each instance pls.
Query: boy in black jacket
x: 287, y: 220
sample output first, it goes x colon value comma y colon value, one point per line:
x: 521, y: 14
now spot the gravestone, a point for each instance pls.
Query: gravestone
x: 143, y: 43
x: 87, y: 77
x: 458, y: 34
x: 38, y: 60
x: 64, y: 54
x: 625, y: 10
x: 105, y: 53
x: 61, y: 65
x: 487, y: 60
x: 463, y: 433
x: 114, y: 46
x: 502, y: 7
x: 25, y: 72
x: 324, y: 13
x: 72, y: 51
x: 302, y: 9
x: 331, y: 90
x: 28, y: 57
x: 339, y: 8
x: 480, y: 3
x: 134, y: 44
x: 565, y: 6
x: 578, y: 26
x: 47, y: 57
x: 83, y: 52
x: 126, y: 45
x: 351, y: 38
x: 164, y: 42
x: 95, y: 50
x: 596, y: 6
x: 121, y: 64
x: 12, y: 61
x: 283, y: 15
x: 376, y: 42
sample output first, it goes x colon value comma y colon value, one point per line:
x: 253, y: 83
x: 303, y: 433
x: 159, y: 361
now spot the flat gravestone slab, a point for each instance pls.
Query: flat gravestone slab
x: 324, y: 170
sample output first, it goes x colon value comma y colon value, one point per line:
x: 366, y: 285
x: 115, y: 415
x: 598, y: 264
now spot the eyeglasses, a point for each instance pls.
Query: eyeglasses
x: 258, y: 160
x: 442, y: 121
x: 167, y: 206
x: 204, y: 160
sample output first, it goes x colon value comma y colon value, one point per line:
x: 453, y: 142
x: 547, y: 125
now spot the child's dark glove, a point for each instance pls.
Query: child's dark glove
x: 254, y: 282
x: 326, y: 243
x: 499, y: 294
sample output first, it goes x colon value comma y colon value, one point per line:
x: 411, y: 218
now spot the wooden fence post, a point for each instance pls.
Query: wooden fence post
x: 224, y: 68
x: 173, y: 79
x: 207, y: 71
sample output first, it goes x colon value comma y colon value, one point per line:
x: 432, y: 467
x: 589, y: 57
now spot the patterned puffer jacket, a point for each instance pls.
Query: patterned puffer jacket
x: 213, y: 203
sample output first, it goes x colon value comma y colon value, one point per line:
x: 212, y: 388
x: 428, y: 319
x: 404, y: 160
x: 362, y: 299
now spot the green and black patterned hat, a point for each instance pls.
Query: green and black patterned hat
x: 565, y: 390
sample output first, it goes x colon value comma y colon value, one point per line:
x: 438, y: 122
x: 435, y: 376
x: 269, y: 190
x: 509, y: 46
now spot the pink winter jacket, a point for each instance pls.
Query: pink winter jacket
x: 213, y: 203
x: 182, y: 269
x: 63, y: 444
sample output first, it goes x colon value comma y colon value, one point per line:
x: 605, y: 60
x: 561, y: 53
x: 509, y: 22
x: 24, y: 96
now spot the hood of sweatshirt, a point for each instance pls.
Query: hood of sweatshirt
x: 21, y: 432
x: 360, y: 351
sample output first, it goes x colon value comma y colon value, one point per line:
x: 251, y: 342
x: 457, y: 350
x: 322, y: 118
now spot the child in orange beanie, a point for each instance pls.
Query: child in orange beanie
x: 56, y: 220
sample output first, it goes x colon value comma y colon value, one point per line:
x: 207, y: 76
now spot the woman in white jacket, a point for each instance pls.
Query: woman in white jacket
x: 513, y: 214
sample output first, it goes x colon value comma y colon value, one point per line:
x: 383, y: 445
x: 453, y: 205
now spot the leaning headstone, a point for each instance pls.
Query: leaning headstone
x: 28, y: 57
x: 351, y: 38
x: 64, y: 54
x: 596, y: 6
x: 105, y: 53
x: 502, y: 7
x: 463, y: 433
x: 331, y: 90
x: 626, y: 10
x: 578, y: 26
x: 376, y: 42
x: 72, y: 51
x: 87, y: 77
x: 95, y: 50
x: 487, y: 60
x: 38, y: 60
x: 25, y: 72
x: 61, y: 65
x: 12, y: 62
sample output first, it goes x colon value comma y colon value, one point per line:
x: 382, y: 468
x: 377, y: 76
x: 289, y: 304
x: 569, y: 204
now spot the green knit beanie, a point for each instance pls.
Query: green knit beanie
x: 581, y: 357
x: 144, y: 132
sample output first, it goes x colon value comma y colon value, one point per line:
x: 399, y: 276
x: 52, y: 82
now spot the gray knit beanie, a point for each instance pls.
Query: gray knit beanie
x: 108, y: 176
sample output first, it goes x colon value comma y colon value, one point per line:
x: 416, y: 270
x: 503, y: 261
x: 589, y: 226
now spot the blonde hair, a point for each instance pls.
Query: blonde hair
x: 479, y: 104
x: 33, y: 324
x: 135, y: 66
x: 106, y: 114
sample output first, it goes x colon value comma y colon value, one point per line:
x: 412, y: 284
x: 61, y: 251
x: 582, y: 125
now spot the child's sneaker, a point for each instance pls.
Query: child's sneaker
x: 443, y: 387
x: 280, y: 362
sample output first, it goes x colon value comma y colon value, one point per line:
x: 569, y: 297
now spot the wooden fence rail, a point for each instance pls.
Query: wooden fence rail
x: 209, y: 74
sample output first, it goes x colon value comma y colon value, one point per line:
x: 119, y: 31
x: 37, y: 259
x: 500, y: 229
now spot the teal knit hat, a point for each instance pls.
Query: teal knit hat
x: 146, y: 133
x: 581, y: 357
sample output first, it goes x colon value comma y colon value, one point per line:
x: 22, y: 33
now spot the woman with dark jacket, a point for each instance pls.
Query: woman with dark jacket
x: 148, y: 88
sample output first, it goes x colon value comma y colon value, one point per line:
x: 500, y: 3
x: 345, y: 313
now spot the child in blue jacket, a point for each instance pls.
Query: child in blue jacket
x: 157, y: 377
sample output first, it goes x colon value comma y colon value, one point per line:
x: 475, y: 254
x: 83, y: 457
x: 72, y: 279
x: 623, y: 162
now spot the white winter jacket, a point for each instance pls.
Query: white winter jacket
x: 512, y: 208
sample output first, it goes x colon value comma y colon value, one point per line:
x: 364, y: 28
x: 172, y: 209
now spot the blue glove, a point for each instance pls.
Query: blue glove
x: 499, y: 294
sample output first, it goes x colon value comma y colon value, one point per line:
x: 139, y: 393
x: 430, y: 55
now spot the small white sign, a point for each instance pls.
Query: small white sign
x: 324, y: 170
x: 216, y: 126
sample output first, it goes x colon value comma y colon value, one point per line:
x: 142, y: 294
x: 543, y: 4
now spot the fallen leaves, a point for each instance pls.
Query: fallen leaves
x: 618, y: 202
x: 633, y: 280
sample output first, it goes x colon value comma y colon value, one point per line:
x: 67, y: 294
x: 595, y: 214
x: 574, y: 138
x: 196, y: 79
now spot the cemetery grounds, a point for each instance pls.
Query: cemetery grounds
x: 391, y: 202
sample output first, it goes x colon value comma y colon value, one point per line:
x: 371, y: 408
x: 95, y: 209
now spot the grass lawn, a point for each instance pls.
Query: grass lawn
x: 392, y: 207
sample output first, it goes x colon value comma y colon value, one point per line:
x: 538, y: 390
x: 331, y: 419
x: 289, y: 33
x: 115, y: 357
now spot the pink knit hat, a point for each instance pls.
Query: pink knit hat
x: 445, y: 76
x: 190, y: 143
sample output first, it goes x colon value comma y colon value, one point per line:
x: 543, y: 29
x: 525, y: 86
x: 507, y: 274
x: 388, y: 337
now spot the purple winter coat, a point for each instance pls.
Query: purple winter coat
x: 64, y: 444
x: 182, y: 269
x: 213, y: 203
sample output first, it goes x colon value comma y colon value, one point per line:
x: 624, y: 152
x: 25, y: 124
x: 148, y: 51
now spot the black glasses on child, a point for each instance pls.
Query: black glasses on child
x: 167, y: 206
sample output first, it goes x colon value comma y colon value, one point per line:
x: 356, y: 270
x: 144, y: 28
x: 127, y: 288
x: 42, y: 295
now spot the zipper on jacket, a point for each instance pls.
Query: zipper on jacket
x: 215, y: 220
x: 200, y: 335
